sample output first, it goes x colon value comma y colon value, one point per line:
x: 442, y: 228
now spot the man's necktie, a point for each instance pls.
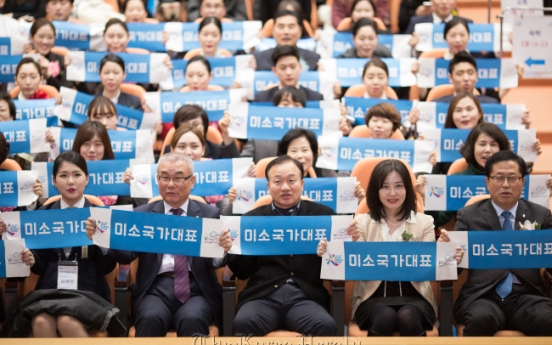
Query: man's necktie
x: 181, y: 276
x: 504, y: 288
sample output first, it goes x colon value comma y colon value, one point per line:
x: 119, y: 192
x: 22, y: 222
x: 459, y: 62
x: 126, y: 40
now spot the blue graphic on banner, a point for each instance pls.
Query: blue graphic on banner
x: 156, y: 233
x: 105, y: 178
x: 5, y: 46
x: 44, y: 229
x: 349, y: 71
x: 34, y: 108
x: 146, y: 36
x: 481, y: 37
x: 213, y: 102
x: 137, y: 66
x: 271, y: 123
x: 282, y: 235
x: 18, y: 135
x: 453, y: 139
x: 351, y: 150
x: 123, y: 143
x: 499, y: 249
x: 2, y: 260
x: 9, y: 188
x: 308, y: 79
x: 358, y: 106
x: 152, y: 7
x: 72, y: 35
x: 391, y: 261
x: 488, y: 72
x: 224, y: 71
x: 232, y: 36
x: 8, y: 65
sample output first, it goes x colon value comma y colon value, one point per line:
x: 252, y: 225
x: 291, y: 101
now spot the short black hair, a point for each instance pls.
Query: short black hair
x: 492, y: 130
x: 377, y: 179
x: 4, y: 148
x: 11, y: 106
x: 72, y: 1
x: 125, y: 4
x: 460, y: 57
x: 112, y: 58
x: 283, y: 51
x: 189, y: 112
x: 40, y: 22
x: 387, y: 111
x: 296, y: 133
x: 362, y: 22
x: 70, y: 157
x: 28, y: 60
x: 453, y: 22
x: 296, y: 95
x: 115, y: 21
x: 200, y: 59
x: 282, y: 160
x: 376, y: 62
x: 505, y: 156
x: 285, y: 13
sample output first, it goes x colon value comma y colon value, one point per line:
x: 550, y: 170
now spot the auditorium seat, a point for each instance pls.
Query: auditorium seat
x: 60, y: 51
x: 260, y: 167
x: 209, y: 88
x: 345, y: 24
x: 360, y: 91
x: 151, y: 21
x: 353, y: 330
x: 457, y: 166
x: 51, y: 91
x: 434, y: 53
x: 361, y: 131
x: 135, y: 90
x: 114, y: 4
x: 10, y: 165
x: 137, y: 51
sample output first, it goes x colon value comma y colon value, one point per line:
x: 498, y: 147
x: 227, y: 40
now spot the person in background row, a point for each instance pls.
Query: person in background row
x: 7, y: 108
x: 209, y: 37
x: 28, y: 10
x: 73, y: 310
x: 494, y: 300
x: 441, y: 12
x: 102, y: 110
x: 409, y: 9
x: 365, y: 40
x: 385, y: 307
x: 287, y: 31
x: 263, y: 10
x: 287, y: 67
x: 342, y: 9
x: 134, y: 11
x: 230, y: 9
x: 361, y: 9
x: 59, y: 9
x: 52, y: 66
x: 112, y: 74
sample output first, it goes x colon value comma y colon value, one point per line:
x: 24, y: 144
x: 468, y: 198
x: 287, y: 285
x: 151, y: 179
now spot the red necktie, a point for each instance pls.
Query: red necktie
x: 181, y: 277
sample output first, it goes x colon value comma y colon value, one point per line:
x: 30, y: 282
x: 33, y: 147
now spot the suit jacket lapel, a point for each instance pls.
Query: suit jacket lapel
x: 489, y: 213
x: 522, y: 214
x: 193, y: 210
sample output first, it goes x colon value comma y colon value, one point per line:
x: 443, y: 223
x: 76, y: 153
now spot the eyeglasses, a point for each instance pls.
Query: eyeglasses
x: 175, y: 180
x: 501, y: 179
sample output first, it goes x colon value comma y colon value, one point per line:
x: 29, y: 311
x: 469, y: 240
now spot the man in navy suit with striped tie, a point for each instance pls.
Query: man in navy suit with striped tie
x: 174, y: 291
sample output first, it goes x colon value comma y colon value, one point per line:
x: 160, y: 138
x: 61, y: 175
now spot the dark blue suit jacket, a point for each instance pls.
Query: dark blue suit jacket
x: 130, y: 101
x: 149, y: 264
x: 424, y: 19
x: 91, y: 269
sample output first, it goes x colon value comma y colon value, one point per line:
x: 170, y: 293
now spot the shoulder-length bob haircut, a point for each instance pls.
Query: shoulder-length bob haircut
x: 87, y: 131
x: 380, y: 173
x: 490, y: 129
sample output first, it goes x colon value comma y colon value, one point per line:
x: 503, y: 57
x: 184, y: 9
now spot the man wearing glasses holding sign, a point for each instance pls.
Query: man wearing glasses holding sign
x: 494, y: 300
x: 175, y: 291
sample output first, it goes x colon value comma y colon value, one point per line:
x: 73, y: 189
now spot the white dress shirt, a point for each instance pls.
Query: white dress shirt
x: 437, y: 20
x: 115, y: 99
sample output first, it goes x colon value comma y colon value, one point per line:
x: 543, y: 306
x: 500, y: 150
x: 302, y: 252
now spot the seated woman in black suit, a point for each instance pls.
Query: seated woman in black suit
x: 70, y: 177
x: 112, y: 74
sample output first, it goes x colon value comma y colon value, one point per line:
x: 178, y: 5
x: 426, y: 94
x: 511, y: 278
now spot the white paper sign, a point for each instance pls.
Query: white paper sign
x: 15, y: 267
x: 446, y: 263
x: 533, y: 45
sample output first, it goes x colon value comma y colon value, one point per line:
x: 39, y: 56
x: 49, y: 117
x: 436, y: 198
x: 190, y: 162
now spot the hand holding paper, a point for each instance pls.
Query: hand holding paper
x: 225, y: 241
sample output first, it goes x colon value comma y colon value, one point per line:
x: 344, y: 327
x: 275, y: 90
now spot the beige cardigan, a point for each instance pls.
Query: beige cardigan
x: 422, y: 229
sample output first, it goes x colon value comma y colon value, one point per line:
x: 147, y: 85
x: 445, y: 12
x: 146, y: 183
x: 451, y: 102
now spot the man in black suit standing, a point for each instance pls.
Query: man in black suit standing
x: 287, y: 67
x: 494, y: 300
x: 175, y: 291
x: 284, y: 292
x: 287, y: 31
x: 441, y: 12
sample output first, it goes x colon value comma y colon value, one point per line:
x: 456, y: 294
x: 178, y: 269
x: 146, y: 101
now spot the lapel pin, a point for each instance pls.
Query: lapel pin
x: 523, y: 215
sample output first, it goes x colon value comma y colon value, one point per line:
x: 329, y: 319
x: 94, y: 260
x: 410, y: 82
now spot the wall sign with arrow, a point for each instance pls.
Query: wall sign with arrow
x: 532, y: 46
